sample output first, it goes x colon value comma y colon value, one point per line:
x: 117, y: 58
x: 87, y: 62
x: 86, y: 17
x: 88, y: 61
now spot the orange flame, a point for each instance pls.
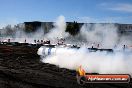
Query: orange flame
x: 81, y: 71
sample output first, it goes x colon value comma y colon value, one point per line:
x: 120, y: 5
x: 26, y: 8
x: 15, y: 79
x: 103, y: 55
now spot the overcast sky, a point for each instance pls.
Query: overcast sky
x: 16, y: 11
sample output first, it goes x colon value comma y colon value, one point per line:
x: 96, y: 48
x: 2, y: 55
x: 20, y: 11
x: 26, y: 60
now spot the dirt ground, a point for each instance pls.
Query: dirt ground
x: 20, y: 67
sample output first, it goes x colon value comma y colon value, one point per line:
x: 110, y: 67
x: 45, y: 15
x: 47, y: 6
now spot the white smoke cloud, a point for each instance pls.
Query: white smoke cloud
x: 59, y: 29
x: 104, y: 34
x: 100, y: 62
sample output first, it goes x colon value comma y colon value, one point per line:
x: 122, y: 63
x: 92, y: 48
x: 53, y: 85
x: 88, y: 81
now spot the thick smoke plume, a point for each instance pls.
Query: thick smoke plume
x: 99, y: 62
x: 59, y: 29
x: 103, y: 34
x: 93, y: 34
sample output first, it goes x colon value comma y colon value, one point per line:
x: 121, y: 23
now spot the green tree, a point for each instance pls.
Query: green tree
x: 73, y: 28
